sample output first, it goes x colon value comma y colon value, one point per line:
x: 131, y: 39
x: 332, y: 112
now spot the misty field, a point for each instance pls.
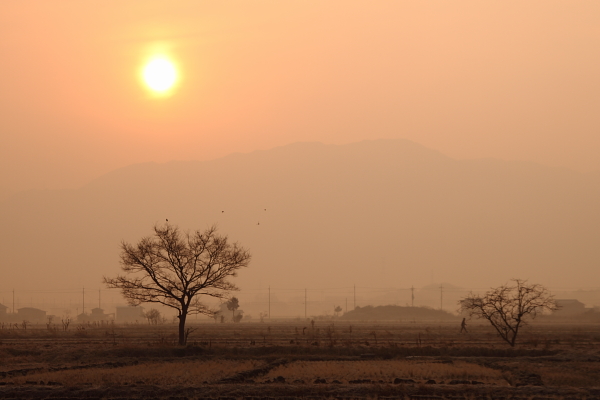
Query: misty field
x: 292, y: 359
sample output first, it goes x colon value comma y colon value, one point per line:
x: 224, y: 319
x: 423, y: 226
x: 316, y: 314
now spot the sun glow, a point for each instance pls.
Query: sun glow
x: 160, y: 75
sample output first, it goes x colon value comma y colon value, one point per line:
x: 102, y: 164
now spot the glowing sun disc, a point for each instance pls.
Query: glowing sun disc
x: 160, y: 74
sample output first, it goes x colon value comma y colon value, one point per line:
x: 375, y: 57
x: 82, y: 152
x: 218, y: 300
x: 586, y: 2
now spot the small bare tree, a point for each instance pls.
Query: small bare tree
x: 262, y: 316
x: 507, y: 307
x: 238, y: 317
x: 153, y: 316
x: 232, y: 305
x: 176, y: 269
x: 65, y: 323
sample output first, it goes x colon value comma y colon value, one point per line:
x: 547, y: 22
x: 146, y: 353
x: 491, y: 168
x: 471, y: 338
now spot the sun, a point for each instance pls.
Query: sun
x: 160, y: 74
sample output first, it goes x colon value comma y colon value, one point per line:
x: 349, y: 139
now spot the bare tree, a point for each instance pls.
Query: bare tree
x: 239, y: 316
x: 262, y: 316
x: 507, y: 307
x: 232, y: 305
x: 153, y: 316
x: 176, y: 269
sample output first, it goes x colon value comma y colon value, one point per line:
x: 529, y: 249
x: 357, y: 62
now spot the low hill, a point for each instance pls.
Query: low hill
x: 387, y: 313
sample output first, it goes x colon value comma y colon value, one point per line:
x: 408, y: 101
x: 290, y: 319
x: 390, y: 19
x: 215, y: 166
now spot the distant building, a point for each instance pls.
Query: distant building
x: 31, y: 314
x: 97, y: 315
x: 569, y: 307
x: 129, y: 314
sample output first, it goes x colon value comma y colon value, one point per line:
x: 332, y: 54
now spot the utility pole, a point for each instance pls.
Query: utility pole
x: 99, y: 302
x: 412, y: 296
x: 269, y: 301
x: 355, y: 297
x: 304, y: 303
x: 441, y: 297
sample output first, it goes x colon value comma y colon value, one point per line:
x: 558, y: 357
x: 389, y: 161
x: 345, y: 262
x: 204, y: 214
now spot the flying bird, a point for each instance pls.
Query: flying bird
x: 167, y: 220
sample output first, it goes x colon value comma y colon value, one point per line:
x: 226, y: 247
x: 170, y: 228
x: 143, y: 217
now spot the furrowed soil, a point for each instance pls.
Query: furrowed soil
x: 294, y: 360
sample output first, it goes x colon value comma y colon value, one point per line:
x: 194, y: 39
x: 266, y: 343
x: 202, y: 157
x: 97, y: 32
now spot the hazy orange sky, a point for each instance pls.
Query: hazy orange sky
x: 504, y: 79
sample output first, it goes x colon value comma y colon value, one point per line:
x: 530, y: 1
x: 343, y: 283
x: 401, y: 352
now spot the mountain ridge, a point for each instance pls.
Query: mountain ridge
x: 371, y: 211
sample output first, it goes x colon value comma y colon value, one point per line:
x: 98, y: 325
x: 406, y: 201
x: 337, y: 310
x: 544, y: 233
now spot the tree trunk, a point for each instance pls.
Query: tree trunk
x: 182, y: 337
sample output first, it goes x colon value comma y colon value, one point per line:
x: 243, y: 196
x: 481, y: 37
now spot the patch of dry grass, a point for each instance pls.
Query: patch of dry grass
x: 171, y: 373
x: 387, y: 370
x: 569, y: 374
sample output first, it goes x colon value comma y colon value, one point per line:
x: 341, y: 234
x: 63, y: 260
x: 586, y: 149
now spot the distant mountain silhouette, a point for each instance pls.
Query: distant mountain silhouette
x: 374, y: 213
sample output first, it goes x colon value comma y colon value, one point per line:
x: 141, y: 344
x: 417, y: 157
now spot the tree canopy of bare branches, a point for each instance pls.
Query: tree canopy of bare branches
x: 153, y: 316
x: 507, y: 307
x: 176, y: 269
x: 232, y: 305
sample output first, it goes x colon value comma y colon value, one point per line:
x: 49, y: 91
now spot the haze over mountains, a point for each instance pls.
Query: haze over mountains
x: 384, y: 213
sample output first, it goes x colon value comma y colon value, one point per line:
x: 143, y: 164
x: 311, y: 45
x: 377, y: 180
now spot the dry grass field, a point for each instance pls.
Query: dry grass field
x: 189, y: 372
x: 290, y: 359
x: 387, y: 371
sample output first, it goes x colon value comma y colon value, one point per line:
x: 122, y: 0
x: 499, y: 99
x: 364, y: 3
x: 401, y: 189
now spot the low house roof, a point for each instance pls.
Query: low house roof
x: 2, y: 306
